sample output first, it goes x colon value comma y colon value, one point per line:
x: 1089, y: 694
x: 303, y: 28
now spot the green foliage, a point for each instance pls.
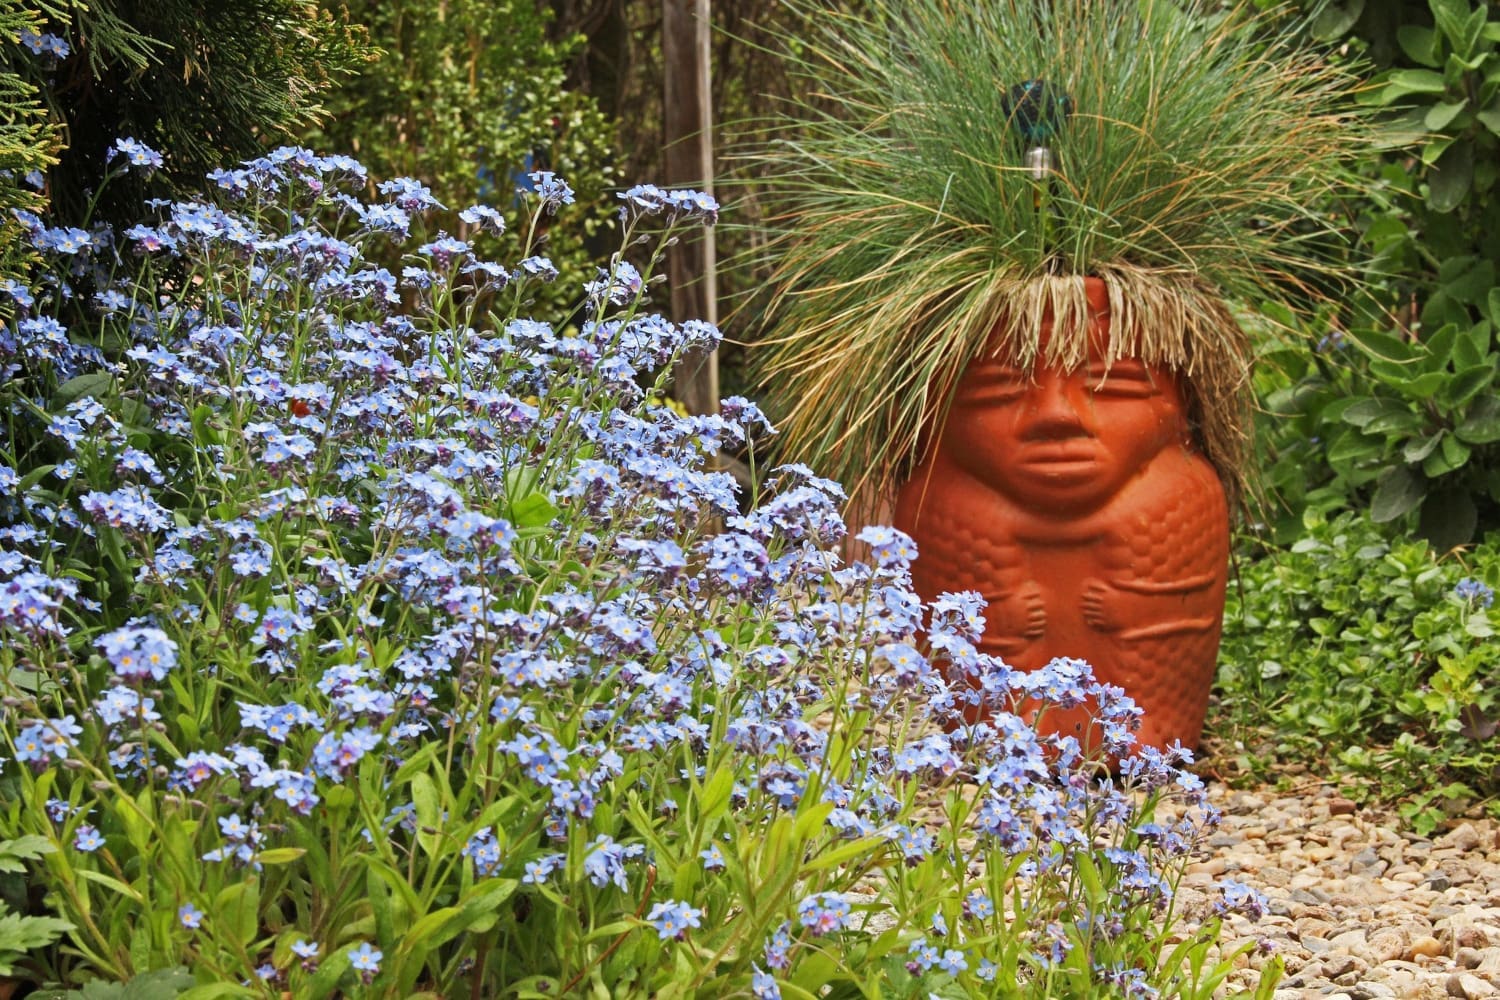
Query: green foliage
x: 1370, y: 651
x: 1406, y: 413
x: 468, y: 96
x: 1411, y: 423
x: 28, y: 140
x: 21, y: 936
x: 162, y: 984
x: 206, y: 81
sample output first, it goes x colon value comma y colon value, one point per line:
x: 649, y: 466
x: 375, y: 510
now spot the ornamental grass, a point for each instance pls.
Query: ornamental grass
x: 1191, y: 149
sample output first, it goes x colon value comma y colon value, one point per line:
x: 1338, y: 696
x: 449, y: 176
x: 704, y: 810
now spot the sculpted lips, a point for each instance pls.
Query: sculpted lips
x: 1061, y: 462
x: 1060, y: 454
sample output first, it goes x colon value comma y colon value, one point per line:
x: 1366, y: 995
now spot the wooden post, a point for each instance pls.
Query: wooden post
x: 688, y: 137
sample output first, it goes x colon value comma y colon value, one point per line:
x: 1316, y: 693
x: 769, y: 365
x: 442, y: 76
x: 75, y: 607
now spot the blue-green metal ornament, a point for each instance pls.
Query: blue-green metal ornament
x: 1037, y: 110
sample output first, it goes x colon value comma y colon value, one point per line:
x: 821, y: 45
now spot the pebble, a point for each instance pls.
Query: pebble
x: 1469, y: 987
x: 1358, y: 907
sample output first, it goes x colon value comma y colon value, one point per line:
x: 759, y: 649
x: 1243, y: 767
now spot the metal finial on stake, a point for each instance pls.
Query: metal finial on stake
x: 1037, y: 111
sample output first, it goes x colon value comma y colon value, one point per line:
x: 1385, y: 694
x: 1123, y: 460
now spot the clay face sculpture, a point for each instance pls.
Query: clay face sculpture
x: 1077, y: 504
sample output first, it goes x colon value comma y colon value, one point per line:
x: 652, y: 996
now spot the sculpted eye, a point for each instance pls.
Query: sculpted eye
x: 1122, y: 380
x: 993, y: 381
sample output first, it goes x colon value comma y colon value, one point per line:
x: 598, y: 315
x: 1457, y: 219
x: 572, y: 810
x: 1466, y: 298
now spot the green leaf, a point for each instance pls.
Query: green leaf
x: 93, y: 384
x: 713, y: 799
x: 810, y: 819
x: 1490, y: 116
x: 1384, y: 346
x: 1448, y: 519
x: 1335, y: 19
x: 1472, y: 346
x: 424, y: 795
x: 25, y: 848
x: 844, y: 852
x: 418, y: 761
x: 237, y: 907
x: 203, y: 431
x: 1352, y: 447
x: 1361, y: 413
x: 1405, y: 82
x: 1466, y: 385
x: 215, y: 990
x: 1420, y: 388
x: 532, y: 511
x: 331, y: 974
x: 1452, y: 454
x: 339, y: 799
x: 1440, y: 116
x: 1482, y: 423
x: 1440, y: 347
x: 1419, y: 448
x: 1468, y: 278
x: 280, y: 855
x: 32, y: 478
x: 22, y: 935
x: 162, y: 984
x: 1399, y: 491
x: 1448, y: 182
x: 1451, y: 17
x: 112, y: 883
x: 1420, y: 45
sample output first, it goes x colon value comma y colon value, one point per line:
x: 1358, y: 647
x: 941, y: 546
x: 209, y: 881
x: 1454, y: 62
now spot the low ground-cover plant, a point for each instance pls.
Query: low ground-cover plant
x: 365, y: 637
x: 1348, y: 631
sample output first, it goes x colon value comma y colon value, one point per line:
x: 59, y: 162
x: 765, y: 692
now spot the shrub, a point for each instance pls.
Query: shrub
x: 1401, y: 402
x: 205, y: 82
x: 365, y: 637
x: 1371, y: 647
x: 468, y: 97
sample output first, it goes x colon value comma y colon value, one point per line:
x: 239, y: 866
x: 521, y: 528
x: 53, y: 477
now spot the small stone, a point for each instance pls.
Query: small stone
x: 1247, y: 803
x: 1470, y: 936
x: 1462, y: 837
x: 1426, y: 946
x: 1469, y: 986
x: 1213, y: 866
x: 1351, y: 941
x: 1387, y: 944
x: 1335, y: 966
x: 1370, y: 991
x: 1468, y: 958
x: 1341, y: 807
x: 1438, y: 882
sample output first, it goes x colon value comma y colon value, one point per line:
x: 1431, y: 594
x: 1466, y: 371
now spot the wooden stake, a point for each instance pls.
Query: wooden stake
x: 688, y: 136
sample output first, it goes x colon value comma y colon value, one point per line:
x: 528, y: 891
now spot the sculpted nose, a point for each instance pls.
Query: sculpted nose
x: 1057, y: 407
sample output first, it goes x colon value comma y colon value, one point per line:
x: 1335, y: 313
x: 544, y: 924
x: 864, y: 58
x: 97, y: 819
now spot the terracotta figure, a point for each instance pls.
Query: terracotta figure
x: 1078, y: 504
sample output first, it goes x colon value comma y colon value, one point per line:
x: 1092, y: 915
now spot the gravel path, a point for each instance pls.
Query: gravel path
x: 1357, y: 909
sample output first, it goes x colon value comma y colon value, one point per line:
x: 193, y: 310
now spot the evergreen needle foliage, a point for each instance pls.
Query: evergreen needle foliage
x: 912, y: 236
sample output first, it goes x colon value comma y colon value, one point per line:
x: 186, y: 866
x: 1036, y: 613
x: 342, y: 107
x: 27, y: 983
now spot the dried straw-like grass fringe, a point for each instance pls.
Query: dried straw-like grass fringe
x: 1166, y: 318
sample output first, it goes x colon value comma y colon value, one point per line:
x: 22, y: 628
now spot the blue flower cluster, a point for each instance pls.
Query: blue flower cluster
x: 406, y: 600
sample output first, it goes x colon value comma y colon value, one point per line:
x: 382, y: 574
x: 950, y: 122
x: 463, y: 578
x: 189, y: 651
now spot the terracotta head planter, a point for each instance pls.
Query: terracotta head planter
x: 1003, y: 267
x: 1078, y: 504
